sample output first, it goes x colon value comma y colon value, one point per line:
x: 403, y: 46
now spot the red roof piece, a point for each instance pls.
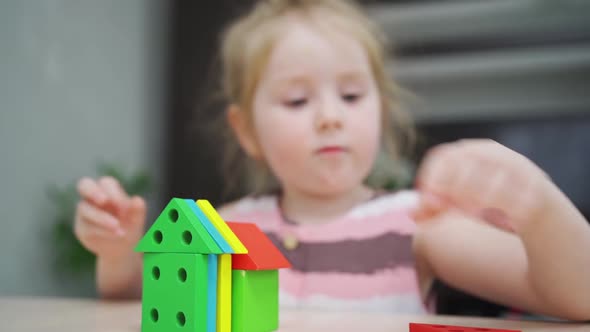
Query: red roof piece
x: 415, y: 327
x: 262, y: 253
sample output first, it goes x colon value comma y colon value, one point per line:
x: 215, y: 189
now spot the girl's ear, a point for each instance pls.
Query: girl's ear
x: 241, y: 127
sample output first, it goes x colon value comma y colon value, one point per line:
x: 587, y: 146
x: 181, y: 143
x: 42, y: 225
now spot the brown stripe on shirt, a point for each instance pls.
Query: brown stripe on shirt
x: 364, y: 256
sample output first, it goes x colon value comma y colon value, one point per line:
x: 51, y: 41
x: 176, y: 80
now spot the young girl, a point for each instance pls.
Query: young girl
x: 311, y: 104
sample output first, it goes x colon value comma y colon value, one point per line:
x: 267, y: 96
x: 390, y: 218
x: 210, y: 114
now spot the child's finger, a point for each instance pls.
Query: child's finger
x: 90, y: 190
x: 495, y: 153
x: 429, y: 206
x: 90, y: 214
x: 495, y: 196
x: 437, y: 172
x: 485, y: 149
x: 136, y: 210
x: 133, y: 218
x: 529, y: 201
x: 117, y: 196
x: 471, y: 182
x: 89, y: 233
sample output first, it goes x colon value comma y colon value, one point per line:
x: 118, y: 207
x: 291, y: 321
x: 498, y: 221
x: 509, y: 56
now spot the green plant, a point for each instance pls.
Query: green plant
x: 71, y: 257
x: 391, y: 174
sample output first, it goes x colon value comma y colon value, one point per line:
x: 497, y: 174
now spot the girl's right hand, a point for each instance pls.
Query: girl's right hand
x: 108, y: 222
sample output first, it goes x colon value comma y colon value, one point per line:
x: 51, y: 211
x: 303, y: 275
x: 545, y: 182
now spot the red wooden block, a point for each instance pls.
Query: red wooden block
x: 415, y: 327
x: 262, y: 253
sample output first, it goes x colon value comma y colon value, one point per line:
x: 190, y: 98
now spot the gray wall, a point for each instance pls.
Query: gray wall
x: 519, y: 77
x: 80, y: 81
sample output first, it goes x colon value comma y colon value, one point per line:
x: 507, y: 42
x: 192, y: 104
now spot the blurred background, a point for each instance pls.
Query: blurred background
x: 125, y: 88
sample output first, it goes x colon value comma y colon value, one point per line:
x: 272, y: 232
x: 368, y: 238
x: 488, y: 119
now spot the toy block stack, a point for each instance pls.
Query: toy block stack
x: 202, y: 274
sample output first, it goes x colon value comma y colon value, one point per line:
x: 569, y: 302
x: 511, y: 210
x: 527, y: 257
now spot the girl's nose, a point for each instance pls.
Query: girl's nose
x: 329, y: 116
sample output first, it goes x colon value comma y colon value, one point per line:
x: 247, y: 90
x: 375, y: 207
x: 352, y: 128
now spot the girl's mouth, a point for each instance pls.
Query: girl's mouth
x: 331, y: 149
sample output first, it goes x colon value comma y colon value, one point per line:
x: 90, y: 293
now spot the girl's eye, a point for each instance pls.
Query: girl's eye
x: 296, y: 103
x: 351, y: 97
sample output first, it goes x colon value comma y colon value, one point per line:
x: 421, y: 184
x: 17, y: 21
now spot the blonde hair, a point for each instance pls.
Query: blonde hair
x: 246, y: 48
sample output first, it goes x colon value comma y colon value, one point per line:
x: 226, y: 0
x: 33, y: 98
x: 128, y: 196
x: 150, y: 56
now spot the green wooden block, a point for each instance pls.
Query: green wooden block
x: 174, y: 292
x: 177, y: 229
x: 255, y: 301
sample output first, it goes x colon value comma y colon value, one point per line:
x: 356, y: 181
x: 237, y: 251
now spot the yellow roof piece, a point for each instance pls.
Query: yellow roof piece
x: 222, y: 227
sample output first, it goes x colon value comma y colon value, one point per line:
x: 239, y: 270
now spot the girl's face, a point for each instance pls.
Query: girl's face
x: 317, y: 112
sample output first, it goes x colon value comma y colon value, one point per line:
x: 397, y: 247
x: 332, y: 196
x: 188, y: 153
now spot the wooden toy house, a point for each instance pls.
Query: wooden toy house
x: 191, y: 256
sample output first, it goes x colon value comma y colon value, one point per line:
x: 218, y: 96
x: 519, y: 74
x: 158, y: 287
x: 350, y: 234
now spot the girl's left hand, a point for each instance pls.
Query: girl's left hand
x: 485, y: 178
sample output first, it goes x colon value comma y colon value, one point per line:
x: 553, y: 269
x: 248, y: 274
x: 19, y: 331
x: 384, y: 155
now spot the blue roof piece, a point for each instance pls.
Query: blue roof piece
x: 219, y: 239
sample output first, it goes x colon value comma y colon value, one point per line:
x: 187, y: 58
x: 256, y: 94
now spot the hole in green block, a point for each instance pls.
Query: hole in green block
x: 181, y: 318
x: 182, y: 274
x: 154, y: 315
x: 173, y: 215
x: 187, y: 237
x: 156, y: 272
x: 158, y: 237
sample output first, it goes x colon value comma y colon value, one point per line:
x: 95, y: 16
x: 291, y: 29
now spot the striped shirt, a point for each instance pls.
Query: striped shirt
x: 362, y: 261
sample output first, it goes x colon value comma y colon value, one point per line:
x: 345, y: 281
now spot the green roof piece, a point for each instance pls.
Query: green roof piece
x: 177, y: 230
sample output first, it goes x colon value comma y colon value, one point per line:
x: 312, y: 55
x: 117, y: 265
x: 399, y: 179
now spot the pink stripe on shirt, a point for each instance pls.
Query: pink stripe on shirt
x: 398, y: 281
